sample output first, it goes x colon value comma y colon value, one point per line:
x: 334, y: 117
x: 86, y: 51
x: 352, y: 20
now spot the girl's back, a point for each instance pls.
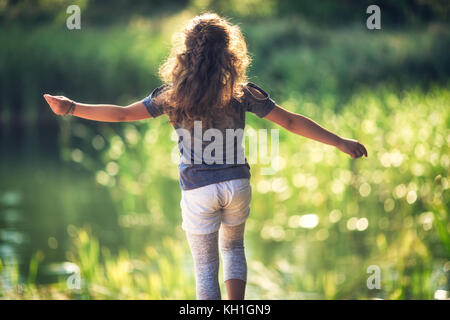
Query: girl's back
x: 211, y: 149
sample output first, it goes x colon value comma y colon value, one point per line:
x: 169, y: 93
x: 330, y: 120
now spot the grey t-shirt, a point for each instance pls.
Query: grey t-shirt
x: 214, y: 153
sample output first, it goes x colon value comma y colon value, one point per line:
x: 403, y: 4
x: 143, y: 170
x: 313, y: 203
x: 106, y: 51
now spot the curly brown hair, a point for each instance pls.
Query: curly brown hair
x: 205, y: 68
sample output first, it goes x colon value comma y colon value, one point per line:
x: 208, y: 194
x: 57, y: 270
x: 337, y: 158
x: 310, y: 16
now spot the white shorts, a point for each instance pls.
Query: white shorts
x: 204, y: 209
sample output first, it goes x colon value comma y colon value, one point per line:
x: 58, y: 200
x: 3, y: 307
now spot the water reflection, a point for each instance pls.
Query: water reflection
x: 11, y: 240
x: 34, y: 212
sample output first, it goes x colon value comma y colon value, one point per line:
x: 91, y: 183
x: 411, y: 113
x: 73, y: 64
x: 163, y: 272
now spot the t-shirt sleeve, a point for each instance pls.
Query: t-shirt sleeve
x: 153, y: 108
x: 260, y: 106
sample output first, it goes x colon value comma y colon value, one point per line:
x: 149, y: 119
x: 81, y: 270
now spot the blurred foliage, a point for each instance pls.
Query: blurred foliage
x: 325, y: 12
x: 297, y: 57
x: 314, y: 227
x: 31, y: 12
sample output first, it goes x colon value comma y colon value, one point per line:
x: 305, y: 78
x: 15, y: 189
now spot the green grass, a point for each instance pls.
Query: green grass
x: 401, y: 189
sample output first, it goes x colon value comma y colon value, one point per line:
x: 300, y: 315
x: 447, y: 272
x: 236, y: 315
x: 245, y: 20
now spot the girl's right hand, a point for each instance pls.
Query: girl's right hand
x: 59, y: 104
x: 352, y: 148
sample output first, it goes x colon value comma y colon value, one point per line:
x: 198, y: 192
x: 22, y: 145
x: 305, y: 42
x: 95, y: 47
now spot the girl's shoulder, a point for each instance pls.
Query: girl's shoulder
x: 161, y: 95
x: 254, y: 91
x: 256, y: 99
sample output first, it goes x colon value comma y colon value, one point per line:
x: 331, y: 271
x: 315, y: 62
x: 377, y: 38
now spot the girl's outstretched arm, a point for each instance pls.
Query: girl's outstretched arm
x: 306, y: 127
x: 98, y: 112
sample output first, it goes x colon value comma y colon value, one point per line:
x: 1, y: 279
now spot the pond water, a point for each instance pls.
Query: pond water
x: 35, y: 188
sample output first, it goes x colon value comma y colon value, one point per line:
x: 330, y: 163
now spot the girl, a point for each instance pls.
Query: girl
x: 205, y: 85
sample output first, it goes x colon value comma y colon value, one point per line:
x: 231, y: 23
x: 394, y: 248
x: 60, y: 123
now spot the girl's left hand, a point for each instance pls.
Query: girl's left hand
x: 352, y: 147
x: 59, y: 104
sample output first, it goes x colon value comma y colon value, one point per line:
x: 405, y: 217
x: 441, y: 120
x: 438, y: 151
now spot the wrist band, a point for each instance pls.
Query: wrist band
x: 71, y: 108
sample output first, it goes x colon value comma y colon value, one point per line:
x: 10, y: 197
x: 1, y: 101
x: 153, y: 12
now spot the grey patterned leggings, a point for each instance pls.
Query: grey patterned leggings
x: 204, y: 249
